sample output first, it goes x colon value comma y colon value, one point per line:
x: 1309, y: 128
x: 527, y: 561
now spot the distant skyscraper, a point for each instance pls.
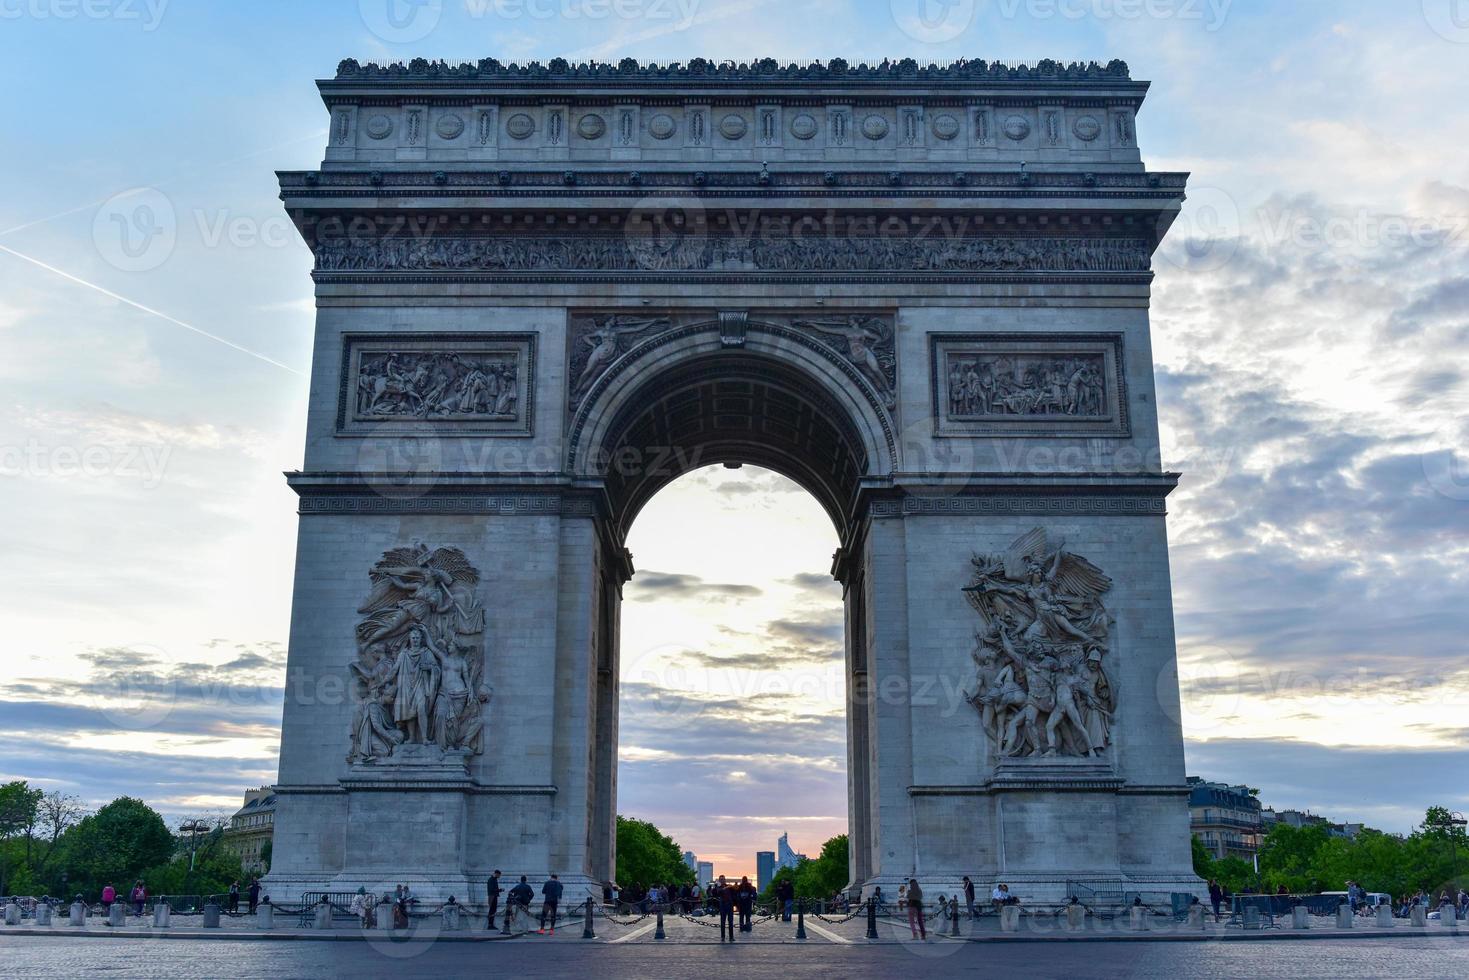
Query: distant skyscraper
x: 784, y: 856
x: 691, y: 860
x: 706, y: 872
x: 764, y: 869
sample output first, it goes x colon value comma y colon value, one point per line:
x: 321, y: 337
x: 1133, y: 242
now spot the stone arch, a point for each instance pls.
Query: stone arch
x: 691, y: 397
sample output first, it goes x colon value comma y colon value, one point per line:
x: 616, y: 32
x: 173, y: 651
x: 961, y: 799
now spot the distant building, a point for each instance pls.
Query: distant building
x: 250, y: 829
x: 692, y: 860
x: 785, y: 857
x: 1305, y: 818
x: 764, y: 869
x: 706, y: 872
x: 1226, y: 818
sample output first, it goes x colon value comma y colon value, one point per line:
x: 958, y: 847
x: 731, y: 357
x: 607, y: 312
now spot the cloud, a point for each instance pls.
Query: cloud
x: 650, y: 586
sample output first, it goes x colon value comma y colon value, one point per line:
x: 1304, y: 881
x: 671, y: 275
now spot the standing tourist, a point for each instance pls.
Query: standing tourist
x: 234, y: 901
x: 1216, y: 897
x: 746, y: 894
x: 785, y: 892
x: 492, y: 898
x: 254, y: 895
x: 550, y: 899
x: 109, y: 895
x: 969, y: 896
x: 139, y: 896
x: 915, y: 910
x: 724, y: 894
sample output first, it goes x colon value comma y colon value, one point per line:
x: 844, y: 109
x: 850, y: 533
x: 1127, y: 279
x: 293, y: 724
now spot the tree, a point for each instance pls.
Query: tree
x: 646, y: 856
x: 114, y: 846
x: 18, y: 804
x: 1203, y: 860
x: 57, y: 813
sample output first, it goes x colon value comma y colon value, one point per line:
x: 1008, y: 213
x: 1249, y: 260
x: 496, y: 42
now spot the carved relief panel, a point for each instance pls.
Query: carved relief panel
x: 481, y: 383
x: 1028, y: 384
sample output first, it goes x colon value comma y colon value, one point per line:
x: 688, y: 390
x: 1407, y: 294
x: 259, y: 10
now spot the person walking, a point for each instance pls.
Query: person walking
x: 969, y: 897
x: 254, y: 894
x: 724, y: 895
x: 109, y: 895
x: 139, y: 896
x: 785, y: 893
x: 1216, y: 897
x: 915, y: 911
x: 550, y: 899
x: 234, y: 900
x: 746, y: 894
x: 492, y: 898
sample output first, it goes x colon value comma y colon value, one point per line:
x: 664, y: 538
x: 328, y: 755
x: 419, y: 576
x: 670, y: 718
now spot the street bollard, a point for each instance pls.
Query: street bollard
x: 43, y: 914
x: 801, y: 919
x: 587, y: 932
x: 451, y: 918
x: 1075, y: 917
x: 1384, y: 917
x: 12, y: 914
x: 1418, y: 916
x: 658, y: 933
x: 1252, y: 917
x: 211, y: 916
x: 1009, y: 918
x: 161, y: 914
x: 954, y: 917
x: 78, y: 916
x: 385, y: 916
x: 1137, y: 919
x: 323, y: 915
x: 265, y: 915
x: 1345, y: 918
x: 1300, y: 917
x: 1196, y: 916
x: 871, y: 919
x: 117, y: 915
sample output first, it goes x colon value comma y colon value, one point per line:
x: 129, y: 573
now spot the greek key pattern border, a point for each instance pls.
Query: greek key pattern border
x: 389, y: 501
x: 1130, y: 505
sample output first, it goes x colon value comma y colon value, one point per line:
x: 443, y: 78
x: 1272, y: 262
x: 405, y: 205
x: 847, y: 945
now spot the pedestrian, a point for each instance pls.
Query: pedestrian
x: 915, y: 910
x: 519, y: 898
x: 109, y: 895
x: 785, y: 893
x: 877, y: 899
x: 254, y: 895
x: 362, y: 907
x: 1216, y: 897
x: 139, y: 896
x: 234, y: 899
x: 969, y: 897
x: 746, y: 894
x: 1000, y: 897
x: 492, y: 897
x: 550, y: 899
x: 724, y: 894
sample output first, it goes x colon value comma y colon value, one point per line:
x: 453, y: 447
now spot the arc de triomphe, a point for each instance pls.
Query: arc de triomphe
x: 545, y: 291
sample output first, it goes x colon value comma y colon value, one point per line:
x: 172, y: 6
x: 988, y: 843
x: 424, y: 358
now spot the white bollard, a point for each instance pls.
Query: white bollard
x: 78, y: 917
x: 385, y: 917
x: 43, y: 914
x: 1252, y: 917
x: 451, y: 918
x: 265, y: 916
x: 161, y: 913
x: 323, y: 916
x: 117, y: 914
x: 1418, y: 915
x: 1344, y: 917
x: 1300, y: 917
x: 1137, y: 919
x: 12, y: 914
x: 1384, y: 917
x: 1009, y: 918
x: 1075, y: 917
x: 211, y: 916
x: 1196, y: 918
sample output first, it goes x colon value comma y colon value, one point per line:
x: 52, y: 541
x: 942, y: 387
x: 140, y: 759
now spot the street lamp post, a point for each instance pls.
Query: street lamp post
x: 192, y: 827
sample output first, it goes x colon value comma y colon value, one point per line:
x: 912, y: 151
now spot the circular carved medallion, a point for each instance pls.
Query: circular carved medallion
x: 733, y: 126
x: 449, y: 127
x: 591, y: 126
x: 874, y: 127
x: 1087, y: 128
x: 1017, y: 128
x: 520, y: 126
x: 945, y: 127
x: 803, y: 127
x: 379, y: 127
x: 661, y: 126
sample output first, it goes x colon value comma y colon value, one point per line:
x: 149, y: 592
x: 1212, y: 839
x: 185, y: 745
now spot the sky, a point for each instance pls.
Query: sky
x: 1311, y: 333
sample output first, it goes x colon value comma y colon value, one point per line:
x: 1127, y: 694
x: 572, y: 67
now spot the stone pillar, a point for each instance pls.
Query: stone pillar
x: 265, y: 916
x: 117, y: 914
x: 1300, y: 917
x: 1344, y: 917
x: 1418, y: 915
x: 43, y: 914
x: 385, y: 916
x: 78, y: 917
x: 1196, y: 916
x: 1009, y: 918
x: 1137, y: 919
x: 12, y: 914
x: 451, y: 918
x: 1075, y: 917
x: 161, y: 913
x: 1384, y: 917
x: 211, y: 916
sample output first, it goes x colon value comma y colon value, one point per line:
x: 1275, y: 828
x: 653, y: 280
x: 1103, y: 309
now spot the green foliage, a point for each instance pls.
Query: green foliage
x: 18, y: 804
x: 113, y: 846
x: 819, y: 878
x: 646, y: 856
x: 1203, y: 860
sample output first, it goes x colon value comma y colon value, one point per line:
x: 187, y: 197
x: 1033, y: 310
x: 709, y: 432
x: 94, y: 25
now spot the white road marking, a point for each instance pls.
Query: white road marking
x: 636, y: 933
x: 827, y: 933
